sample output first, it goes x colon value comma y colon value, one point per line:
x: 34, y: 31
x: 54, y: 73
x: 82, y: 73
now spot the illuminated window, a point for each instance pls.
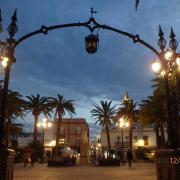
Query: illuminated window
x: 145, y: 138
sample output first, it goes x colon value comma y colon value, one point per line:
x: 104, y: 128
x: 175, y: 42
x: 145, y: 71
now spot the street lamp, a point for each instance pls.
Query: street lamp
x: 7, y: 58
x: 44, y: 124
x: 168, y: 67
x: 122, y: 123
x: 91, y: 43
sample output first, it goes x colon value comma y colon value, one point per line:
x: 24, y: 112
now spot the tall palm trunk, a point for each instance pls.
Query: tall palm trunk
x: 162, y: 134
x: 35, y: 128
x: 108, y: 138
x: 68, y: 132
x: 8, y: 127
x: 130, y: 132
x: 158, y: 142
x: 58, y: 129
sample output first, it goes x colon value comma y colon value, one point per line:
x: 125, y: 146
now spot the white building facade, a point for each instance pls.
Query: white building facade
x: 142, y: 137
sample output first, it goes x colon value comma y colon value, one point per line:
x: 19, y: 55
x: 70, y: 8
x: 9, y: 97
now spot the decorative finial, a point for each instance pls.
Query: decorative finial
x: 13, y: 28
x: 173, y: 44
x: 161, y: 41
x: 14, y: 17
x: 160, y: 32
x: 172, y: 35
x: 93, y: 12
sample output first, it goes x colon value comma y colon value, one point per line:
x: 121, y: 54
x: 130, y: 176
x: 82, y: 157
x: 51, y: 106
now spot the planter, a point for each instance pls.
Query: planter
x: 6, y: 164
x: 168, y: 164
x: 109, y: 162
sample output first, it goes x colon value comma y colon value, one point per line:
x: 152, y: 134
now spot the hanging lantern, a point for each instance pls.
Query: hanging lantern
x: 91, y: 43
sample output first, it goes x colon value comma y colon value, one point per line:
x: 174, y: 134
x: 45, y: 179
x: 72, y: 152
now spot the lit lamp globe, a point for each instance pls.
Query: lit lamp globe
x: 178, y: 62
x: 168, y: 55
x: 38, y: 124
x: 49, y: 124
x: 127, y: 124
x: 156, y: 66
x: 4, y: 62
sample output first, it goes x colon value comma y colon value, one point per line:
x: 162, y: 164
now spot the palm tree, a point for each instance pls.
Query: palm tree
x: 37, y: 105
x: 153, y: 110
x: 61, y: 107
x: 104, y: 114
x: 15, y: 108
x: 129, y: 110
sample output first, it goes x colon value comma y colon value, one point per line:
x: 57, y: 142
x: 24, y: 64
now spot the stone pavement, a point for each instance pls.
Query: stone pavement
x: 139, y: 171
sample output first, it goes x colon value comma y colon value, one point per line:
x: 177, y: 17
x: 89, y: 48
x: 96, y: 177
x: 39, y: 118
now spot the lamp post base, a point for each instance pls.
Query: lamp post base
x: 6, y: 164
x: 168, y: 164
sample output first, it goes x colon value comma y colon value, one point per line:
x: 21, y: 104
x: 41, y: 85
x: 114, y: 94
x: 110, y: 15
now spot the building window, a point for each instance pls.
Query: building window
x: 78, y: 130
x: 99, y: 140
x: 135, y: 138
x: 119, y: 139
x: 127, y: 138
x: 145, y: 138
x: 62, y: 131
x: 78, y: 141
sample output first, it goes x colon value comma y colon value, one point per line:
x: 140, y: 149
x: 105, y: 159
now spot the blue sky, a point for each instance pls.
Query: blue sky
x: 58, y: 62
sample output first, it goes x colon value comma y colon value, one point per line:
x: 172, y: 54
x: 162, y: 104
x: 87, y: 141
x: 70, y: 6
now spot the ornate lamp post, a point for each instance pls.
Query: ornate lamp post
x: 168, y: 67
x: 122, y: 123
x: 44, y: 124
x: 7, y: 57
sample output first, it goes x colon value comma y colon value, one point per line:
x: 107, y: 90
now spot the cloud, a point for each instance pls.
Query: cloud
x: 58, y: 62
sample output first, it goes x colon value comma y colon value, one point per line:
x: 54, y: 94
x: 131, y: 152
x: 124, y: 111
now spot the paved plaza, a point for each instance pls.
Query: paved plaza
x: 139, y: 171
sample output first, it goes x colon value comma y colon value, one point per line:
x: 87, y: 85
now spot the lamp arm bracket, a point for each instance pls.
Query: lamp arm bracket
x: 92, y: 25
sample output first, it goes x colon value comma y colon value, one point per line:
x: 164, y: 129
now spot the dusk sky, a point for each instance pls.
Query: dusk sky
x: 58, y: 63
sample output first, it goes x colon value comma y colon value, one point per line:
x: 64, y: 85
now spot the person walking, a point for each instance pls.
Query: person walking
x: 129, y: 157
x: 26, y: 158
x: 32, y: 159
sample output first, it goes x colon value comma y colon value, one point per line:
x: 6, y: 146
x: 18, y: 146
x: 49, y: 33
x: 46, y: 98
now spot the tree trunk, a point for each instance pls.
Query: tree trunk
x: 35, y: 128
x: 157, y: 135
x: 130, y: 133
x: 108, y: 138
x: 58, y: 130
x: 162, y: 134
x: 8, y: 126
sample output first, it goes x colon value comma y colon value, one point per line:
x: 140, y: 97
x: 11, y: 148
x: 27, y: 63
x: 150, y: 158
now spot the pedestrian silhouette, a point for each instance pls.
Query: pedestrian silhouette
x: 129, y: 157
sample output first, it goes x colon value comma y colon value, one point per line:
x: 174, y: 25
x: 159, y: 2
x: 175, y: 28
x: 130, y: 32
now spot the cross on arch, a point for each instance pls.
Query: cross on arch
x: 93, y: 12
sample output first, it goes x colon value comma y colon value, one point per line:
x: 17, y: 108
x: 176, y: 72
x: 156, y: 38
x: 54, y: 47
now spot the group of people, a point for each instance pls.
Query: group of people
x: 129, y: 158
x: 29, y: 158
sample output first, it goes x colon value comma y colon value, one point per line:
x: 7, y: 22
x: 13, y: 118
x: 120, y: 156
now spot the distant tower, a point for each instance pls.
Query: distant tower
x: 126, y: 97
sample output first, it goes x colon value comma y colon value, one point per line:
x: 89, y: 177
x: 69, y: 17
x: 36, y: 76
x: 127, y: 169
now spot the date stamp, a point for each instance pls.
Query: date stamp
x: 174, y: 160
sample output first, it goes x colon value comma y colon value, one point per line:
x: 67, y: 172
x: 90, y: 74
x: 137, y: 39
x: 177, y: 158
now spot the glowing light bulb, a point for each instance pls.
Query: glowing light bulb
x: 4, y: 62
x: 168, y: 55
x: 156, y: 66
